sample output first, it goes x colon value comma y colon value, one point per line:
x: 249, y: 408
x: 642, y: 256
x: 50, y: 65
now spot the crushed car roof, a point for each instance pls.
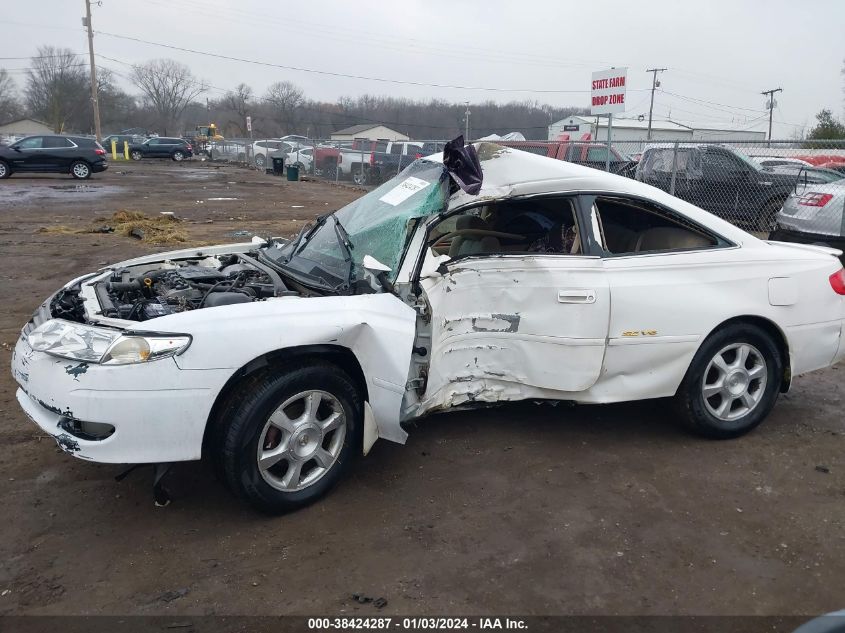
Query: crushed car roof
x: 510, y: 172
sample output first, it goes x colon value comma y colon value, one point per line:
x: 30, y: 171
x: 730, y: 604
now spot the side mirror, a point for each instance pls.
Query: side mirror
x: 16, y: 148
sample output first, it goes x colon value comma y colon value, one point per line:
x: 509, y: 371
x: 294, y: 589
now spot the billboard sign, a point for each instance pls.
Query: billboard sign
x: 607, y: 94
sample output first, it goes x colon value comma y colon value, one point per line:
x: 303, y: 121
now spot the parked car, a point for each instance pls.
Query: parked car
x: 590, y: 154
x: 120, y: 139
x: 720, y: 180
x: 78, y: 156
x: 279, y: 360
x: 260, y: 150
x: 177, y: 149
x: 355, y: 161
x: 814, y: 214
x: 806, y: 175
x: 777, y: 161
x: 300, y: 158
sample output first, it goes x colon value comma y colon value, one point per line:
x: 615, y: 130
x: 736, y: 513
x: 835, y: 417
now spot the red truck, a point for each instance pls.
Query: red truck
x: 584, y: 152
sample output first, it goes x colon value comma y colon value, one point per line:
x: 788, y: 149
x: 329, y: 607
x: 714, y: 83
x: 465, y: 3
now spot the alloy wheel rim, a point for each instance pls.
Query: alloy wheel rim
x: 80, y: 170
x: 734, y: 381
x: 178, y: 156
x: 301, y: 440
x: 2, y: 170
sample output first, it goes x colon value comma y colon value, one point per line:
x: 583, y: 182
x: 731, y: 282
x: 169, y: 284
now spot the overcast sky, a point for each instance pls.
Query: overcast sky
x: 724, y: 52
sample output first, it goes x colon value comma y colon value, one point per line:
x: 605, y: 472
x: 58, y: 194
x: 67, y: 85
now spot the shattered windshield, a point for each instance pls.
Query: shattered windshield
x: 376, y: 224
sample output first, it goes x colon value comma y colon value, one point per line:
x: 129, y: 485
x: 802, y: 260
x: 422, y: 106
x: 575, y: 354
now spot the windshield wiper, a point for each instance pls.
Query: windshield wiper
x: 305, y: 233
x: 343, y: 239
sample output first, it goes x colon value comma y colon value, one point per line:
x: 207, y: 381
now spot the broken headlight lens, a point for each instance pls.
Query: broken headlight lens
x: 72, y: 340
x: 103, y: 345
x: 141, y: 349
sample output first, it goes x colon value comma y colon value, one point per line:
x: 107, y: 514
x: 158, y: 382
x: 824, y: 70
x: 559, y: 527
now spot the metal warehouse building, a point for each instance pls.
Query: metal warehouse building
x: 637, y: 130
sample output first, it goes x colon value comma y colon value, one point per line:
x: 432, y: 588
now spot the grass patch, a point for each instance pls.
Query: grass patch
x: 159, y: 230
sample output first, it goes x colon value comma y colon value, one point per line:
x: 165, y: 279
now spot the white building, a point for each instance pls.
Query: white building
x: 25, y: 127
x: 636, y: 130
x: 371, y: 131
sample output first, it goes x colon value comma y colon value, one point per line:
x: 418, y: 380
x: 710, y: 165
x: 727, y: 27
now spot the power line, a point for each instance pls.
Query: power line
x: 337, y: 74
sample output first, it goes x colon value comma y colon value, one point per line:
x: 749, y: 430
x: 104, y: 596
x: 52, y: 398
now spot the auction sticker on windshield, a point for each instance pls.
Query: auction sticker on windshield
x: 404, y: 190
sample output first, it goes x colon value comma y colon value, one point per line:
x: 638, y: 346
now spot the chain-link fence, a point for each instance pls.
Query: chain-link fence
x: 794, y: 189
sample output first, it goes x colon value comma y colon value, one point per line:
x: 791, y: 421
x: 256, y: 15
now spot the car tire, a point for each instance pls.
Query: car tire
x: 769, y: 215
x: 732, y: 383
x: 135, y: 155
x: 260, y: 161
x: 178, y: 156
x: 270, y: 420
x: 360, y: 177
x: 80, y: 170
x: 5, y: 170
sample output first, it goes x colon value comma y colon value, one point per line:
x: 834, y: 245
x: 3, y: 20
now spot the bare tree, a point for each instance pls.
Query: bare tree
x: 284, y: 97
x: 10, y: 106
x: 57, y: 86
x: 168, y: 87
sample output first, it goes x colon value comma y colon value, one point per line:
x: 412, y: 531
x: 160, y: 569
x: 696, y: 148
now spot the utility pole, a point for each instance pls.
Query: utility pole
x: 771, y: 106
x: 654, y: 84
x: 466, y: 120
x: 94, y: 100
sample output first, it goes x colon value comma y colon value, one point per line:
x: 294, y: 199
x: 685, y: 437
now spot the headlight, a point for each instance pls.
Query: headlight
x: 141, y: 349
x: 103, y: 345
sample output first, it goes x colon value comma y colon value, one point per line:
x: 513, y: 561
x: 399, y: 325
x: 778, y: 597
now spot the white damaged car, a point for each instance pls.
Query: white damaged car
x: 280, y: 361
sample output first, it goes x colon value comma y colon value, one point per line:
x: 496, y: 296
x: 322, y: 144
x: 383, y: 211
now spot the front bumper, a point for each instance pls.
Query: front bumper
x: 158, y: 411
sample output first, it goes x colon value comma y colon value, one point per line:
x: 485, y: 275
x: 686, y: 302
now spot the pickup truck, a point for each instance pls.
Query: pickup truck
x: 721, y: 180
x: 588, y: 153
x: 383, y: 159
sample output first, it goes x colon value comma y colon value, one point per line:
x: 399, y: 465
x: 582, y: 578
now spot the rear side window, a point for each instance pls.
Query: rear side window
x: 596, y: 154
x: 381, y: 146
x: 540, y: 150
x: 631, y: 226
x: 55, y: 142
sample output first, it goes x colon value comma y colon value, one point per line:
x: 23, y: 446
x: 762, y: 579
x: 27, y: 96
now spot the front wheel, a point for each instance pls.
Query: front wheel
x: 5, y: 172
x: 135, y: 155
x: 291, y: 436
x: 80, y: 170
x: 260, y: 161
x: 732, y: 383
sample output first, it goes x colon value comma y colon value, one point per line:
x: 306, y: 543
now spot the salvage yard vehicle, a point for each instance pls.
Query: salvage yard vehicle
x: 78, y: 156
x: 719, y: 179
x: 177, y: 149
x: 814, y: 214
x: 484, y: 276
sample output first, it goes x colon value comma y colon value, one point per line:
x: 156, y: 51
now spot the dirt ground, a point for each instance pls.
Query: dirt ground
x: 526, y: 509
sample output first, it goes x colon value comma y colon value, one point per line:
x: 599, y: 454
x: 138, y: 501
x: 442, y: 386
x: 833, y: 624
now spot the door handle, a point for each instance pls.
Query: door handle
x: 576, y: 295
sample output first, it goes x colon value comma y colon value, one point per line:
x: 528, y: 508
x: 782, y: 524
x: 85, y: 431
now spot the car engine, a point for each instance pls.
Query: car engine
x: 140, y: 293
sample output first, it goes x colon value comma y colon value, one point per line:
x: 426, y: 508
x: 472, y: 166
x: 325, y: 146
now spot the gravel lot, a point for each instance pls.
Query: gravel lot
x: 525, y: 509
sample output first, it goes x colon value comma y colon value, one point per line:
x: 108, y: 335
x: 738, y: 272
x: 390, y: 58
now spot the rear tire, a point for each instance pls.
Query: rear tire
x: 178, y: 156
x: 80, y: 170
x: 309, y: 420
x: 732, y: 383
x: 361, y: 177
x: 260, y: 161
x: 5, y: 170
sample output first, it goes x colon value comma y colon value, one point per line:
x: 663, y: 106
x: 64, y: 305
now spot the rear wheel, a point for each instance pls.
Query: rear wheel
x: 732, y: 383
x: 80, y: 170
x: 5, y: 172
x: 291, y: 437
x: 360, y: 177
x: 178, y: 156
x: 260, y: 161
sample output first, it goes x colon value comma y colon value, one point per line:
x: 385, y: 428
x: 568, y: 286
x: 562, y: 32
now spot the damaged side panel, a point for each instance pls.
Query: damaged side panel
x: 498, y: 331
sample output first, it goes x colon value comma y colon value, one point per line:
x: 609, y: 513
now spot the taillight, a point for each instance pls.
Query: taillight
x: 372, y: 159
x: 837, y: 281
x: 815, y: 199
x: 417, y: 156
x: 189, y: 148
x: 100, y: 152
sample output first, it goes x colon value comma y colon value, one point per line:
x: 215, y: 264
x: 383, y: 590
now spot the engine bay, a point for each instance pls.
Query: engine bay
x: 140, y: 293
